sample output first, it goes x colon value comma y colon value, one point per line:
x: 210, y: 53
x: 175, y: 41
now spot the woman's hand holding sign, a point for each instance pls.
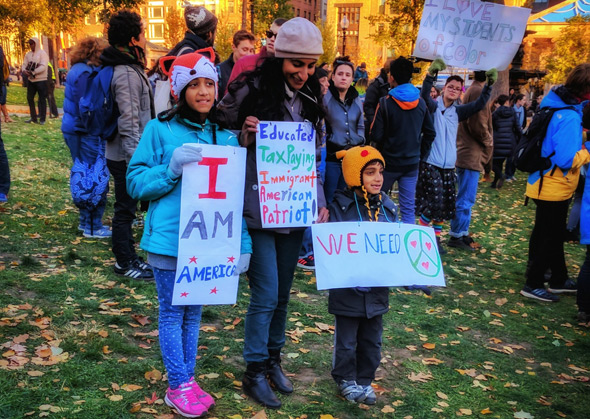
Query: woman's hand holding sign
x: 249, y: 130
x: 436, y: 66
x: 492, y: 76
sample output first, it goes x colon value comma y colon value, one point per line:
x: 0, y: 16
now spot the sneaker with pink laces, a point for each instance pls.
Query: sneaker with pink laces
x: 202, y: 396
x: 184, y: 400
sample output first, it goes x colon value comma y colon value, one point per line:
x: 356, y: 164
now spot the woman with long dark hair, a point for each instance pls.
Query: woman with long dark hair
x: 283, y: 88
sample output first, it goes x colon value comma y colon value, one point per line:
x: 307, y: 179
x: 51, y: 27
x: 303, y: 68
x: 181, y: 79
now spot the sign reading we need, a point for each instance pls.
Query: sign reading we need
x: 210, y: 232
x: 365, y: 254
x: 287, y: 175
x: 471, y: 34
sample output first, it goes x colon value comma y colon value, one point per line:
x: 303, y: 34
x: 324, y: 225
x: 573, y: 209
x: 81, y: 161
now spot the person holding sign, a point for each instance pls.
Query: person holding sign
x: 435, y: 192
x: 283, y: 88
x: 155, y: 175
x: 345, y: 125
x: 358, y: 311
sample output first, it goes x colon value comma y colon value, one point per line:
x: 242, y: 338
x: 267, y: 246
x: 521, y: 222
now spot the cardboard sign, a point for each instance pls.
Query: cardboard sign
x: 287, y: 175
x: 365, y: 254
x: 471, y: 34
x: 210, y: 230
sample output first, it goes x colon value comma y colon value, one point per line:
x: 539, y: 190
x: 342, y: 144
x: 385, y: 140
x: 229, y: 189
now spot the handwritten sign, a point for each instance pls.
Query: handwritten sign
x: 352, y: 254
x: 471, y: 34
x: 287, y: 175
x: 210, y: 230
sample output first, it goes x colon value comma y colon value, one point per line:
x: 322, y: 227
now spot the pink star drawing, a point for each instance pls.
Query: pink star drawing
x: 231, y: 259
x: 213, y: 291
x: 193, y: 259
x: 184, y: 294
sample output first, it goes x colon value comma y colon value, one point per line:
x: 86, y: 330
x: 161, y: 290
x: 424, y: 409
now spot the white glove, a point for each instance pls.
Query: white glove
x: 181, y: 156
x: 243, y: 263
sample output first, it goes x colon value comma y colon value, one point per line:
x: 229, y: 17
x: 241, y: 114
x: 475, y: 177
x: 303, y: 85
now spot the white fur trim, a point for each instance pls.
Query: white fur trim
x: 181, y: 76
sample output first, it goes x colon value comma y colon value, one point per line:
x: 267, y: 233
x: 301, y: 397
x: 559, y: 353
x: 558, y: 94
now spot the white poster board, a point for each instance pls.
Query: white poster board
x: 287, y: 174
x: 366, y: 254
x: 210, y: 230
x: 471, y: 34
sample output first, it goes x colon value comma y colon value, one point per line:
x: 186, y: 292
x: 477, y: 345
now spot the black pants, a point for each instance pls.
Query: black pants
x: 357, y: 348
x: 497, y: 167
x: 4, y: 170
x: 33, y: 88
x: 583, y: 296
x: 51, y: 99
x: 124, y: 214
x: 546, y: 244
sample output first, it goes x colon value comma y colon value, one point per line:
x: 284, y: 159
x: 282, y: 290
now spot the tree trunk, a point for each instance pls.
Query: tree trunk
x: 502, y: 85
x: 244, y: 14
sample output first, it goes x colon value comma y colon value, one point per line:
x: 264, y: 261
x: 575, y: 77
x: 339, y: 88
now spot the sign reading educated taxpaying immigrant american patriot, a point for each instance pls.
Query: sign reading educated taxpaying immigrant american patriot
x: 365, y: 254
x: 470, y: 33
x: 210, y: 232
x: 287, y: 174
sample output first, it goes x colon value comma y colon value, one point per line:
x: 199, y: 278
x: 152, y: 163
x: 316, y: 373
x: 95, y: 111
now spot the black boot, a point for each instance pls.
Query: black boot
x: 256, y: 385
x: 277, y: 377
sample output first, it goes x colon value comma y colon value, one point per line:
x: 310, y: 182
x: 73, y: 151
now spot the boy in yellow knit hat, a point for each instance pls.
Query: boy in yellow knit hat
x: 358, y: 311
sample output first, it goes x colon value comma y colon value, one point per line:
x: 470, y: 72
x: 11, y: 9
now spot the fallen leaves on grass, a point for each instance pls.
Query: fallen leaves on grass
x: 421, y: 377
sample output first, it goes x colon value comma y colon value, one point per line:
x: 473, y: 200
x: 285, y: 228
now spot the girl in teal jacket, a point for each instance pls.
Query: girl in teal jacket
x: 154, y: 174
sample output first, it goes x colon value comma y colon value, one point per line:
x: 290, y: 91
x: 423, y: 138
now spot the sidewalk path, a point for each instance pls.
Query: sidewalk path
x: 20, y: 110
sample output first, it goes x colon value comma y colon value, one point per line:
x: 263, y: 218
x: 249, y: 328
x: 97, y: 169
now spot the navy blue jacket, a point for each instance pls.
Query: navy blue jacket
x: 506, y: 131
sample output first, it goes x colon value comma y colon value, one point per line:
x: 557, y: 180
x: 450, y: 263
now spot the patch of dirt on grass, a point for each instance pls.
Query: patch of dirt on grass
x: 307, y: 376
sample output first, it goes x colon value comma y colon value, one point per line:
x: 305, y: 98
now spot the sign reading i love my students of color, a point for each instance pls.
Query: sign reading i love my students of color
x: 365, y: 254
x: 210, y: 232
x: 471, y: 34
x: 287, y: 175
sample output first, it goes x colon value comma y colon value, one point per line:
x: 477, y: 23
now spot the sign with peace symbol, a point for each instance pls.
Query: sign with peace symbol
x: 422, y: 252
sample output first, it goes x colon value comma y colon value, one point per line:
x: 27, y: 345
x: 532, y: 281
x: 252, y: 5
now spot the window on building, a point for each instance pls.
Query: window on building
x: 352, y: 11
x: 156, y: 12
x: 231, y: 6
x: 298, y: 12
x: 156, y: 30
x: 91, y: 19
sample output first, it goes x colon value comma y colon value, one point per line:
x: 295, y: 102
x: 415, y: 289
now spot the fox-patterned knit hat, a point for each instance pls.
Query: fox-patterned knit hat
x: 354, y: 161
x: 187, y: 68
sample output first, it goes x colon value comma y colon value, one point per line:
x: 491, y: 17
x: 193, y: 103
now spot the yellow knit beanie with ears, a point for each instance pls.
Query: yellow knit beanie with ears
x: 354, y: 161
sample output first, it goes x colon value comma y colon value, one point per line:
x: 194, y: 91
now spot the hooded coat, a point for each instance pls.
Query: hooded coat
x: 403, y: 132
x: 506, y: 131
x: 37, y: 59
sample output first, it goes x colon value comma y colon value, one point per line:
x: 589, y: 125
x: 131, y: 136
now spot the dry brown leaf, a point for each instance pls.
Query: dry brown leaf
x: 116, y: 398
x: 442, y: 395
x: 466, y: 412
x: 131, y: 387
x: 432, y: 361
x: 429, y: 346
x: 103, y: 333
x: 485, y: 411
x: 153, y: 375
x: 388, y: 409
x: 501, y: 301
x: 420, y: 377
x: 35, y: 373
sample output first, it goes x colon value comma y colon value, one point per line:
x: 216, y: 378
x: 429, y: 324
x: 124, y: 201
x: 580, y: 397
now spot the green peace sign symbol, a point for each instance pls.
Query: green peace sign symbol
x: 422, y: 252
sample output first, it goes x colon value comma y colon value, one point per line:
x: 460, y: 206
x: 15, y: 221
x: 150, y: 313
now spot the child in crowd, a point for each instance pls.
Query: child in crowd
x: 358, y: 311
x: 154, y: 175
x: 507, y: 132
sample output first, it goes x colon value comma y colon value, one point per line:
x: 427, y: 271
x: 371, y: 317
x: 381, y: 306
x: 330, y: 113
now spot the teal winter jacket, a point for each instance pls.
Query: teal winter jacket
x: 148, y: 179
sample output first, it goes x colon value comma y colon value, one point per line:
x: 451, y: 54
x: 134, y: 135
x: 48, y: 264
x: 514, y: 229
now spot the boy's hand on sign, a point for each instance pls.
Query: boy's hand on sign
x: 492, y: 76
x: 181, y: 156
x: 323, y: 215
x: 436, y: 66
x: 249, y: 130
x: 243, y: 263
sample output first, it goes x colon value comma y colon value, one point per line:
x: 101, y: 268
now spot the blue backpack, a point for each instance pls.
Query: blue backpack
x: 98, y: 111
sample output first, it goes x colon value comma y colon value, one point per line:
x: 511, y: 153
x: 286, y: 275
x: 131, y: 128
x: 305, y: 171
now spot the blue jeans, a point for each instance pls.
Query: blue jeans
x: 334, y: 180
x: 307, y: 244
x: 583, y: 297
x: 274, y: 258
x: 178, y: 327
x: 407, y: 192
x: 467, y: 180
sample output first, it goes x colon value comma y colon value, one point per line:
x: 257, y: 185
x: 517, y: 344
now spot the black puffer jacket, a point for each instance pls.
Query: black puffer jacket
x: 360, y: 302
x: 376, y: 90
x: 506, y: 131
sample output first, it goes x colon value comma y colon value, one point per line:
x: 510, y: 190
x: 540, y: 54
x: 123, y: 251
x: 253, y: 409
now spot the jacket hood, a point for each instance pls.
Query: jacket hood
x: 504, y: 111
x: 406, y: 95
x: 559, y: 97
x: 37, y: 43
x: 351, y: 94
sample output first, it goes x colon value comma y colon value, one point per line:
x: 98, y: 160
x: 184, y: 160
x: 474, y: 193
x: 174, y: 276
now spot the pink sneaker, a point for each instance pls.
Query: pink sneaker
x: 184, y: 400
x: 202, y: 396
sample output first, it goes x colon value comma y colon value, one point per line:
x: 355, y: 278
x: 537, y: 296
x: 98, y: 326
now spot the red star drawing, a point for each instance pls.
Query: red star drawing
x: 213, y: 291
x: 184, y: 294
x: 193, y: 259
x: 231, y: 259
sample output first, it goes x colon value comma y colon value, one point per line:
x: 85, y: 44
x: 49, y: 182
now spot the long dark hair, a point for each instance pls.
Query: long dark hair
x: 184, y: 111
x: 265, y: 99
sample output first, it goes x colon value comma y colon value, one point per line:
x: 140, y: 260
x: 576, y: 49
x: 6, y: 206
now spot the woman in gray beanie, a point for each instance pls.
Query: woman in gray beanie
x: 283, y: 88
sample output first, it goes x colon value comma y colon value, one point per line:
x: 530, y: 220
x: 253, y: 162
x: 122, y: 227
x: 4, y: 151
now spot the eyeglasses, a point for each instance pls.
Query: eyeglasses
x: 456, y: 89
x: 270, y: 34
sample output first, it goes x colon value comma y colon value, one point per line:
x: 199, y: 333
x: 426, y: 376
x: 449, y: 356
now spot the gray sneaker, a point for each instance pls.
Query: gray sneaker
x: 370, y: 397
x: 351, y: 391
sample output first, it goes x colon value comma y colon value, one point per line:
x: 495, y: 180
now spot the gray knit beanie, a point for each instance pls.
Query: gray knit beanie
x: 299, y: 38
x: 199, y: 20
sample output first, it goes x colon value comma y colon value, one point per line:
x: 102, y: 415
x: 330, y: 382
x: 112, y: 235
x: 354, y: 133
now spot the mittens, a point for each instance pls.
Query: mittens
x: 436, y: 66
x: 181, y: 156
x: 492, y: 76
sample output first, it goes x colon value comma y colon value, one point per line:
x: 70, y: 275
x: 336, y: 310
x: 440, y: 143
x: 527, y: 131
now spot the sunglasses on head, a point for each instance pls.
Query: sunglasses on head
x: 270, y: 34
x: 341, y: 62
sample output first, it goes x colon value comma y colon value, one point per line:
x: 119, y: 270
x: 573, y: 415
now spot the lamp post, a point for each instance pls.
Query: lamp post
x: 344, y: 25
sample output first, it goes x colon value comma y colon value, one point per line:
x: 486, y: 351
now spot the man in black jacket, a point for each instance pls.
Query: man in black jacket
x: 201, y: 27
x: 376, y: 90
x: 403, y: 130
x: 242, y: 45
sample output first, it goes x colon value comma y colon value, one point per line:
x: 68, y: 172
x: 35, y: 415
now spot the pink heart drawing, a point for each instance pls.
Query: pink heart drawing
x: 463, y: 5
x: 425, y: 265
x: 413, y: 243
x: 428, y: 245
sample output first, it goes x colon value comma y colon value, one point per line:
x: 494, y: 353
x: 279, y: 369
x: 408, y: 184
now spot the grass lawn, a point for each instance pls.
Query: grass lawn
x: 80, y: 342
x: 17, y: 95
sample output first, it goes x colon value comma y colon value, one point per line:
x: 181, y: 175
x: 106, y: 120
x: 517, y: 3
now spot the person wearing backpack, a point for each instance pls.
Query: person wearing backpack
x: 552, y: 188
x: 506, y: 135
x: 132, y: 95
x: 88, y: 152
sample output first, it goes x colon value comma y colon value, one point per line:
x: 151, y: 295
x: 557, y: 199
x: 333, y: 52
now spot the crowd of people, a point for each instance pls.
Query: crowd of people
x: 435, y: 144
